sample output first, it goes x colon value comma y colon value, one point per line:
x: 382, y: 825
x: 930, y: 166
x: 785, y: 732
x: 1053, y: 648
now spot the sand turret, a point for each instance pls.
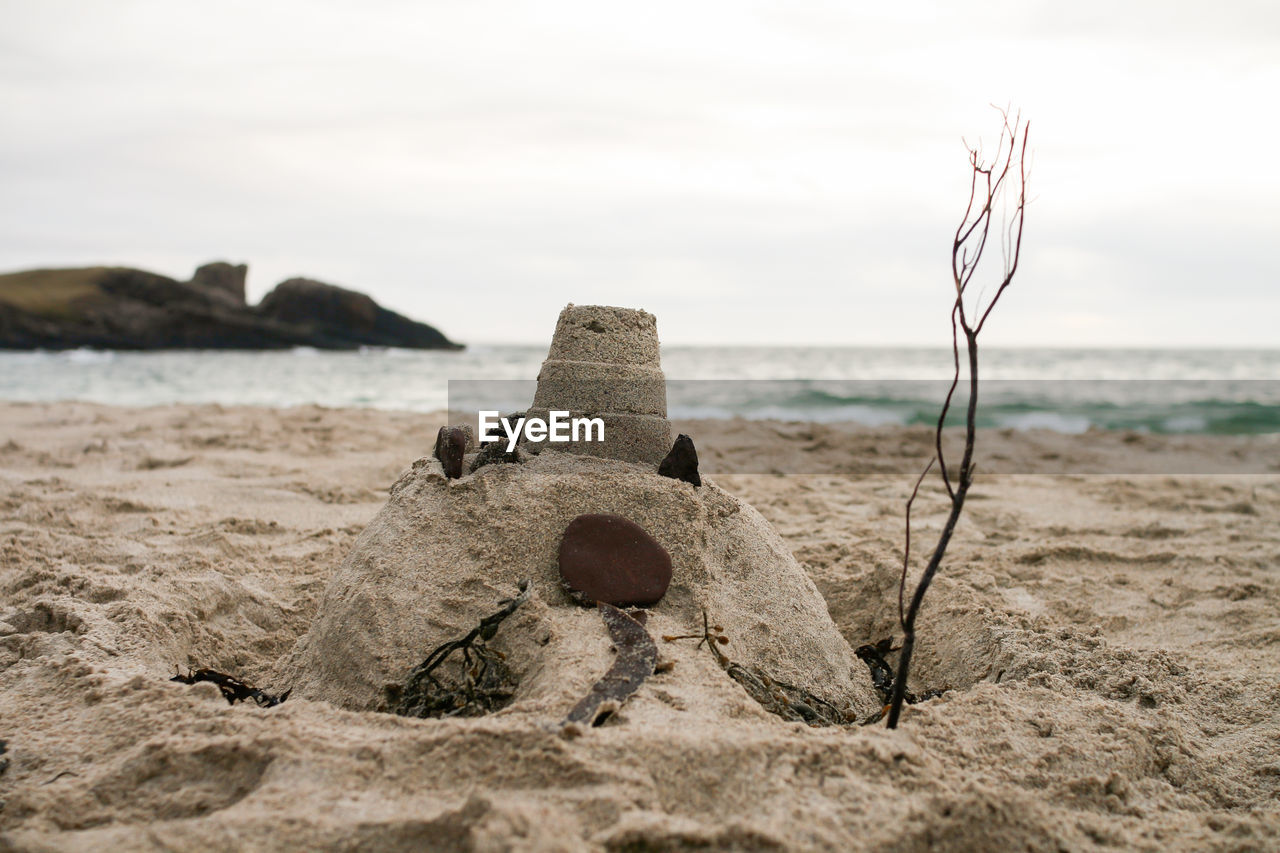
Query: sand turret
x: 604, y: 362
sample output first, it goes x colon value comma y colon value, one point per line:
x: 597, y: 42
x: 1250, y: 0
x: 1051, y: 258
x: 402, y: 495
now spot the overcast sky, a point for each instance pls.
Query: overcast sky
x: 749, y: 172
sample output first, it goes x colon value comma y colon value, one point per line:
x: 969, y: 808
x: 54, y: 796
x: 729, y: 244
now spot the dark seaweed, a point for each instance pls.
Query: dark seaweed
x: 881, y: 672
x: 233, y: 689
x: 777, y: 697
x: 788, y: 701
x: 479, y: 684
x: 882, y: 678
x: 494, y: 453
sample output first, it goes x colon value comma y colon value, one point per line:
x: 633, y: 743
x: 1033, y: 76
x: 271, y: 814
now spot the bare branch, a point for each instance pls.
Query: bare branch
x: 946, y: 404
x: 1011, y: 261
x: 966, y: 258
x: 906, y: 548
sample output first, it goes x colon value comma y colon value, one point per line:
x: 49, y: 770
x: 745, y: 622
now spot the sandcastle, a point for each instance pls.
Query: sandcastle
x: 444, y: 551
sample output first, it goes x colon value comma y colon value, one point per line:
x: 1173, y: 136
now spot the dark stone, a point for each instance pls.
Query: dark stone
x: 122, y: 308
x: 451, y: 446
x: 611, y: 559
x: 682, y: 462
x: 494, y: 453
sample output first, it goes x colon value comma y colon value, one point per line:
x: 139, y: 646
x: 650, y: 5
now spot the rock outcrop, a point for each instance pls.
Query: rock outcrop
x: 346, y: 316
x: 222, y: 277
x: 122, y: 308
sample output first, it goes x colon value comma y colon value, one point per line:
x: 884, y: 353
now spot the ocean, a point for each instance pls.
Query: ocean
x: 1068, y: 390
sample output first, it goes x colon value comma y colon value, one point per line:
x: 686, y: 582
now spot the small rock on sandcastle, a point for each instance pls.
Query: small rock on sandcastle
x: 586, y: 524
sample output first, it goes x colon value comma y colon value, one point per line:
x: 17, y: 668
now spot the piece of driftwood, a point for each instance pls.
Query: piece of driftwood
x: 637, y: 660
x: 476, y: 683
x: 233, y: 689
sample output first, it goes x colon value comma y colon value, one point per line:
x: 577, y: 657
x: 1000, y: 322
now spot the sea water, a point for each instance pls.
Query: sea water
x: 1069, y: 390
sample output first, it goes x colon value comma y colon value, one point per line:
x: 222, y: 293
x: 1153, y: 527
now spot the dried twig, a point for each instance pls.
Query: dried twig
x: 987, y: 185
x: 906, y: 544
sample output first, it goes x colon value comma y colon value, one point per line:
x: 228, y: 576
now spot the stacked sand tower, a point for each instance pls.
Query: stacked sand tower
x: 443, y: 552
x: 604, y: 363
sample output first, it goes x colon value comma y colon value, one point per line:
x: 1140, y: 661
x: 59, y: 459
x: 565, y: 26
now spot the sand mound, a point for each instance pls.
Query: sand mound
x: 1102, y: 695
x: 441, y: 554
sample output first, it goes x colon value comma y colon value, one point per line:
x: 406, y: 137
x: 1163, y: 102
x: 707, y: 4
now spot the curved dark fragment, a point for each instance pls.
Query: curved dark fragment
x: 682, y: 462
x: 451, y: 446
x: 637, y: 658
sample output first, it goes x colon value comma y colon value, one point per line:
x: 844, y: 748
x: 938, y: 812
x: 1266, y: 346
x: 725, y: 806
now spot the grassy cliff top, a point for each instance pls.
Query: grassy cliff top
x: 55, y: 294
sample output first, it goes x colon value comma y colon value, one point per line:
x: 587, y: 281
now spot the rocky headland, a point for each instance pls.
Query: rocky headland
x: 123, y: 308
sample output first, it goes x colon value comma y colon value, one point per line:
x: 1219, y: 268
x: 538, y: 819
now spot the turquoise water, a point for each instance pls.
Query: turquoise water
x: 1209, y: 391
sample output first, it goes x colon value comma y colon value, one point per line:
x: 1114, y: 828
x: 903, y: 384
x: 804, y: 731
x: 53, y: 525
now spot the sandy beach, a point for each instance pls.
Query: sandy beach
x: 1108, y: 644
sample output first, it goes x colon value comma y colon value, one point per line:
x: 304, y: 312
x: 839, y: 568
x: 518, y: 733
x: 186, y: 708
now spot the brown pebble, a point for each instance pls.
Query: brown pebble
x: 611, y: 559
x: 451, y: 446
